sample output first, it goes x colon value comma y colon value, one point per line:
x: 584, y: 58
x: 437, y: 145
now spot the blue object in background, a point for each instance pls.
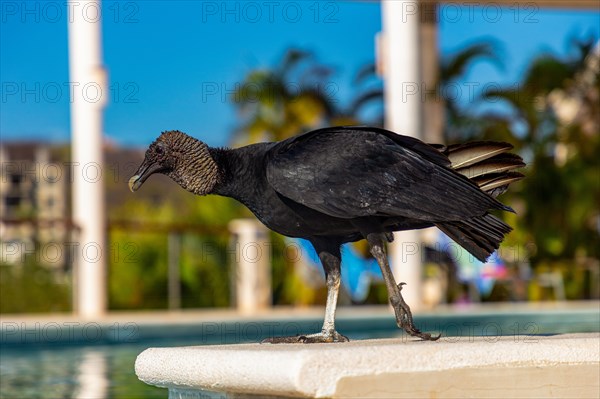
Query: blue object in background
x: 470, y: 269
x: 357, y: 272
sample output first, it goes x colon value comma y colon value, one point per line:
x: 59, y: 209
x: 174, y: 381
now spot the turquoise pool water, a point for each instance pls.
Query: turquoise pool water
x: 103, y: 367
x: 73, y: 372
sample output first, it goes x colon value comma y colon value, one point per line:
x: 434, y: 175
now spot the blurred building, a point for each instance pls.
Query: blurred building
x: 33, y: 203
x: 35, y: 198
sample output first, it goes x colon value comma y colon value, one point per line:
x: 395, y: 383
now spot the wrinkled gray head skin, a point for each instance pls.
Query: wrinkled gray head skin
x: 184, y: 159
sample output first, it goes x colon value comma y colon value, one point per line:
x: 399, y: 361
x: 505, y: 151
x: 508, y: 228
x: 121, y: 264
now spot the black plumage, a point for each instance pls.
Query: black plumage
x: 343, y: 184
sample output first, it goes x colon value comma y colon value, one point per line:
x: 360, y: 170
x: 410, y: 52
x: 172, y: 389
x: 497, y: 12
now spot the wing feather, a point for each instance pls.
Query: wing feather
x: 350, y: 173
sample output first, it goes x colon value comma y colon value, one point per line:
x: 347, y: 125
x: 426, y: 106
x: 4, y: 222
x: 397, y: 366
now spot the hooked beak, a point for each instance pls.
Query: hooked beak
x: 144, y: 171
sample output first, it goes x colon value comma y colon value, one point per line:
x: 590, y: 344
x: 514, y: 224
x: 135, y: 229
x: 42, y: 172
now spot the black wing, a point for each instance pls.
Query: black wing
x: 356, y: 172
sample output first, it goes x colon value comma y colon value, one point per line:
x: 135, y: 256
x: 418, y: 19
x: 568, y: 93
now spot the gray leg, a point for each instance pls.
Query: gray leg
x: 330, y: 257
x: 331, y: 260
x: 403, y: 314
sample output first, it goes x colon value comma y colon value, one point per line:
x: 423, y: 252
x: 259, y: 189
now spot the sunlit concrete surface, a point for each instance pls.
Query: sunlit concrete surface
x: 512, y: 366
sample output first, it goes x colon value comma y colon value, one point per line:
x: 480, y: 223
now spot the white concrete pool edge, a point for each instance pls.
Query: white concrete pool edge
x: 514, y: 366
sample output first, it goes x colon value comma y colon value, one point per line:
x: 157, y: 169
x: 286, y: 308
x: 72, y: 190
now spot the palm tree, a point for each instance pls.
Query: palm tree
x: 370, y: 95
x: 461, y: 123
x: 298, y: 96
x: 279, y: 103
x: 554, y: 120
x: 452, y: 68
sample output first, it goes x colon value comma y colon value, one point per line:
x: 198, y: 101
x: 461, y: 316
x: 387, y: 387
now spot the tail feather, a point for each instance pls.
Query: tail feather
x: 496, y: 164
x: 489, y: 165
x: 463, y: 155
x: 497, y: 183
x: 481, y: 236
x: 465, y: 240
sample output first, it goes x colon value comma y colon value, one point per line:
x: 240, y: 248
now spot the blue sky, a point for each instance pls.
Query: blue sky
x: 164, y: 57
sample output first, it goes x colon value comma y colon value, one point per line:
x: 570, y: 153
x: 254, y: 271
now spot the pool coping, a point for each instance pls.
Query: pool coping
x: 509, y: 366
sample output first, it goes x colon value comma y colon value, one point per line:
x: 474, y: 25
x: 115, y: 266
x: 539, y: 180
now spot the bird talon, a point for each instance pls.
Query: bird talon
x: 308, y: 339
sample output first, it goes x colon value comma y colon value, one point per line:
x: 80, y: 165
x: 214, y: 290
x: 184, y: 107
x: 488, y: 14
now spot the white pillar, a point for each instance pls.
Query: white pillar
x: 403, y: 106
x: 88, y: 92
x: 252, y: 280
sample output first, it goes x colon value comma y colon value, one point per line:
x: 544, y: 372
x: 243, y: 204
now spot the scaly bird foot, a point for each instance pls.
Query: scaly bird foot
x: 415, y: 332
x: 317, y: 338
x: 404, y: 318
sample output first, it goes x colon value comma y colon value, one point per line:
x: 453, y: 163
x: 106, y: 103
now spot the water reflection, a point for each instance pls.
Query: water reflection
x: 72, y: 372
x: 92, y: 378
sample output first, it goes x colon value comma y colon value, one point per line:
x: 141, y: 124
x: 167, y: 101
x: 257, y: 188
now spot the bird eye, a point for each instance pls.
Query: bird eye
x: 159, y: 150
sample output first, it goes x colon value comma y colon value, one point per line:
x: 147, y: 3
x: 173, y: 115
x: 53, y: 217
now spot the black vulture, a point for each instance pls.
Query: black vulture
x: 343, y: 184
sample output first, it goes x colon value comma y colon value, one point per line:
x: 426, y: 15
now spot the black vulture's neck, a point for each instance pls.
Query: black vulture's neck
x: 239, y: 171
